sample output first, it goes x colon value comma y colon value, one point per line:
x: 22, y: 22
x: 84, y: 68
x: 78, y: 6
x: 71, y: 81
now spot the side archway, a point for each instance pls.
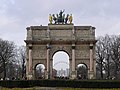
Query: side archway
x: 82, y: 71
x: 39, y: 71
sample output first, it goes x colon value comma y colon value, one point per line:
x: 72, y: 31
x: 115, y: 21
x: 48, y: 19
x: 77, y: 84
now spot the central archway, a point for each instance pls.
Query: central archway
x: 61, y: 68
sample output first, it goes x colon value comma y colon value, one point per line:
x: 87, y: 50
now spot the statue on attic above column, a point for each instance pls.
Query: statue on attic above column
x: 70, y: 19
x: 60, y: 18
x: 50, y: 18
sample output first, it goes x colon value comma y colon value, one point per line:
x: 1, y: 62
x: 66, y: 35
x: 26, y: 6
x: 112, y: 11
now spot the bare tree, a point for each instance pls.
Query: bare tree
x: 22, y: 57
x: 100, y: 55
x: 103, y: 48
x: 108, y: 56
x: 115, y: 54
x: 107, y: 45
x: 6, y: 54
x: 11, y: 70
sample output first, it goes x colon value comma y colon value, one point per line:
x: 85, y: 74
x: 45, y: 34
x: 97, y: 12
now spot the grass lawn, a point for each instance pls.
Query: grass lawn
x: 54, y: 88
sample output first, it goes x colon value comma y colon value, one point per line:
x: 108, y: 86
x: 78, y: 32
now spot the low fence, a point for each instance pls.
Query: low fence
x: 62, y: 83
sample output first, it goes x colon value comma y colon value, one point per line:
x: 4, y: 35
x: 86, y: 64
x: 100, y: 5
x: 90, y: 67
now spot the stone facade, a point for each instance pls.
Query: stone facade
x: 43, y: 41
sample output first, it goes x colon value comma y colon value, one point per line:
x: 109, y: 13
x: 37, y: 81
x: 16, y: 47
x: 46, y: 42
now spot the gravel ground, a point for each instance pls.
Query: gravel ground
x: 46, y: 88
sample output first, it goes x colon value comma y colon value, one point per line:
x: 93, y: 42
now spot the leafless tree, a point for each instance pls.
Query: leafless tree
x: 100, y: 55
x: 11, y: 70
x: 115, y: 54
x: 108, y: 56
x: 108, y: 59
x: 22, y: 57
x: 6, y: 55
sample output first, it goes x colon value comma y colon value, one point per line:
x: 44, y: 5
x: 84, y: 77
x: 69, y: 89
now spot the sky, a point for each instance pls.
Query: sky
x: 61, y: 60
x: 16, y: 15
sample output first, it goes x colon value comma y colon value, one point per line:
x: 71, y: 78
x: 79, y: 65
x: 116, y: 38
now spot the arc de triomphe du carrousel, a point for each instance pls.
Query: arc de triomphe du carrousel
x: 42, y: 42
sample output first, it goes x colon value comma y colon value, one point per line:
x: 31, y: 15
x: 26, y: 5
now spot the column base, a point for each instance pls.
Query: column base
x: 73, y: 75
x: 91, y: 75
x: 47, y: 75
x: 30, y: 77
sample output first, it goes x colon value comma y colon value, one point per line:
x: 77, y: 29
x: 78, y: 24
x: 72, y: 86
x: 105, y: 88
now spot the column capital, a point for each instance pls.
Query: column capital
x: 73, y: 46
x: 91, y: 46
x: 30, y: 47
x: 48, y: 46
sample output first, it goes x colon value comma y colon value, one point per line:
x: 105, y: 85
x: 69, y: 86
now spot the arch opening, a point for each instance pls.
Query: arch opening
x: 61, y: 68
x: 82, y: 71
x: 40, y: 71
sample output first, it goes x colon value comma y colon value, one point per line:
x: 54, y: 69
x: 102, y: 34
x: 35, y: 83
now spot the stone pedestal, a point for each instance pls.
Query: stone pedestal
x: 30, y: 77
x: 60, y: 26
x: 73, y: 76
x: 91, y: 75
x: 46, y: 75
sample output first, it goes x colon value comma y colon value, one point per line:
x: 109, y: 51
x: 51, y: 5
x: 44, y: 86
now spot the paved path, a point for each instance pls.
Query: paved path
x: 46, y: 88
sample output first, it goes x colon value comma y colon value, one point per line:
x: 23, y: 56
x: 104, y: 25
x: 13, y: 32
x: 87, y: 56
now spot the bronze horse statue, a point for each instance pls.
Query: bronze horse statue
x: 60, y: 18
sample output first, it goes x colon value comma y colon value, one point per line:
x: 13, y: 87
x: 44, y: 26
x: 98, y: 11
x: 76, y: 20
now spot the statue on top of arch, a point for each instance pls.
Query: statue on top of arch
x: 60, y: 18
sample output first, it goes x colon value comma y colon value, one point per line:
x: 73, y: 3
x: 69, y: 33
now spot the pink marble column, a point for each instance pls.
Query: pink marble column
x: 91, y: 60
x: 30, y: 60
x: 30, y: 70
x: 73, y: 59
x: 73, y: 62
x: 91, y: 57
x: 91, y: 71
x: 48, y: 61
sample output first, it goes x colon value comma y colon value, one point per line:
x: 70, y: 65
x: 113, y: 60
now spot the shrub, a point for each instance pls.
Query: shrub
x: 62, y: 83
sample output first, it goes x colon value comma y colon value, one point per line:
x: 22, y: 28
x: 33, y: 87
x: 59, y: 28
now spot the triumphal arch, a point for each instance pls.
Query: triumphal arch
x: 60, y: 35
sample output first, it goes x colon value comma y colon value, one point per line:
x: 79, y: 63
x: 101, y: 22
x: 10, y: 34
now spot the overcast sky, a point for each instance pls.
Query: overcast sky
x: 16, y: 15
